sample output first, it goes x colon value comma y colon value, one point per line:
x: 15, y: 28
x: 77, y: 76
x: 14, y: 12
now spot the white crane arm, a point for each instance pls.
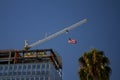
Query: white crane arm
x: 58, y: 33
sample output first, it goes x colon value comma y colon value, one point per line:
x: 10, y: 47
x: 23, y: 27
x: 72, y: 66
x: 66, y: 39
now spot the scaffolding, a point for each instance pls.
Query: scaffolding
x: 30, y: 56
x: 25, y: 65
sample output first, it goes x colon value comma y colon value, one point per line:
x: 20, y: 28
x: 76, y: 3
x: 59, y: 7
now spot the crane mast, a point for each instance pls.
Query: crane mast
x: 27, y: 46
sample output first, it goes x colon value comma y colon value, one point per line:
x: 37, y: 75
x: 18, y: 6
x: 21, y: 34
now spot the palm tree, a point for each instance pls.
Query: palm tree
x: 94, y: 65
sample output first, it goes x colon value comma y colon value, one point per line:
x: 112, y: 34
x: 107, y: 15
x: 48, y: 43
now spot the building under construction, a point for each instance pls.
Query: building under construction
x: 43, y: 64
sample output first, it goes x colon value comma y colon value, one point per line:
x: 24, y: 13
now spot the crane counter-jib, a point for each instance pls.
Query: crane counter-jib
x: 58, y: 33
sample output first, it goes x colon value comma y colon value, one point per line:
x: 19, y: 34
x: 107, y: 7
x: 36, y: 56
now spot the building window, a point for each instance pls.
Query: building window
x: 43, y: 66
x: 46, y: 78
x: 11, y: 67
x: 43, y: 72
x: 6, y: 68
x: 32, y: 78
x: 29, y: 66
x: 36, y: 78
x: 22, y: 78
x: 5, y: 73
x: 24, y: 69
x: 1, y: 68
x: 10, y: 73
x: 18, y: 78
x: 27, y: 78
x: 47, y: 66
x: 34, y: 66
x: 38, y: 69
x: 19, y: 69
x: 13, y: 78
x: 1, y: 73
x: 15, y: 67
x: 15, y: 70
x: 29, y: 69
x: 33, y: 69
x: 42, y: 78
x: 47, y: 72
x: 10, y: 70
x: 8, y: 78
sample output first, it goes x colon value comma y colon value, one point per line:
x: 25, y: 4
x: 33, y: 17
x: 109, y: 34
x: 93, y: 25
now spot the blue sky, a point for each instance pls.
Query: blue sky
x: 30, y: 19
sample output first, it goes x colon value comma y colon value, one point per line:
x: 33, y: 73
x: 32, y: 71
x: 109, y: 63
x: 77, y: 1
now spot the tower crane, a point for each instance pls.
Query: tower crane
x: 27, y: 46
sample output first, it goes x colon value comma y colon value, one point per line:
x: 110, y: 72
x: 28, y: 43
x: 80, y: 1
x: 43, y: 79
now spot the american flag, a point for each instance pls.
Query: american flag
x: 72, y: 41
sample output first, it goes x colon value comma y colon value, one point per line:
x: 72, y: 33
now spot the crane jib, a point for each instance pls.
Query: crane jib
x: 58, y: 33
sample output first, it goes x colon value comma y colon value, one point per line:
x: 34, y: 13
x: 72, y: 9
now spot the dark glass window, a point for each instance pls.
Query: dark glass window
x: 43, y: 69
x: 34, y: 66
x: 18, y: 78
x: 1, y: 68
x: 43, y: 66
x: 19, y: 72
x: 38, y: 69
x: 15, y: 67
x: 24, y: 73
x: 29, y: 67
x: 1, y: 72
x: 43, y: 72
x: 10, y: 73
x: 47, y: 66
x: 36, y: 78
x: 27, y: 78
x: 38, y: 66
x: 24, y: 67
x: 47, y: 72
x: 32, y: 78
x: 38, y: 72
x: 5, y: 73
x: 15, y: 70
x: 3, y: 79
x: 6, y: 68
x: 28, y: 72
x: 33, y: 69
x: 19, y: 67
x: 46, y: 78
x: 33, y: 72
x: 41, y: 78
x: 8, y: 79
x: 10, y: 68
x: 22, y: 78
x: 13, y: 78
x: 24, y: 70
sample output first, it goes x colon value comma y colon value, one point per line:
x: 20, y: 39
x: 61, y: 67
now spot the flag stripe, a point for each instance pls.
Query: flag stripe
x: 72, y: 41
